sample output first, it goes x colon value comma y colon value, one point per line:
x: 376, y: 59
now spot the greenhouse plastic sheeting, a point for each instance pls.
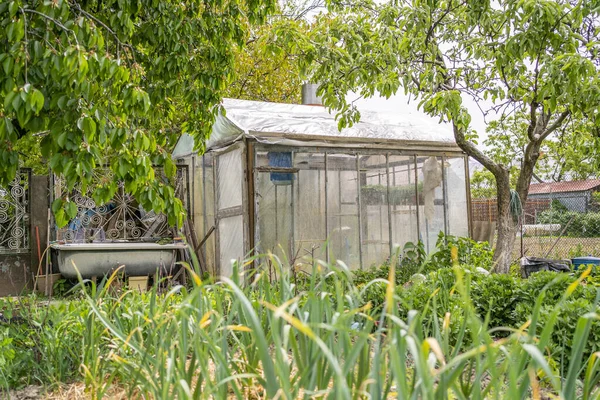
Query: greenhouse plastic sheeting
x: 456, y: 180
x: 274, y: 215
x: 374, y: 203
x: 231, y: 242
x: 230, y: 174
x: 280, y: 123
x: 403, y: 201
x: 207, y: 206
x: 431, y: 189
x: 342, y: 209
x: 310, y: 233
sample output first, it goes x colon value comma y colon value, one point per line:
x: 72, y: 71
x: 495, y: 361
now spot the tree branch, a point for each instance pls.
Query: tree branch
x: 532, y: 120
x: 56, y: 22
x: 474, y: 152
x: 555, y: 125
x: 77, y: 7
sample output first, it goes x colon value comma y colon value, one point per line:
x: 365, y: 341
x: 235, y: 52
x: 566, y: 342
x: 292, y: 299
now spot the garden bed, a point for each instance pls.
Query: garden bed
x: 228, y: 340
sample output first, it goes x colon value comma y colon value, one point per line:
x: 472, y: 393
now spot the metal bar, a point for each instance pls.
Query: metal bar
x: 250, y: 160
x: 562, y: 232
x: 346, y: 142
x: 339, y: 213
x: 292, y: 208
x: 189, y: 199
x: 319, y: 191
x: 389, y: 206
x: 326, y: 212
x: 395, y: 208
x: 206, y: 237
x: 245, y: 204
x: 468, y: 193
x: 216, y: 208
x: 192, y: 205
x: 360, y: 220
x: 276, y: 169
x: 276, y: 213
x: 365, y: 149
x: 124, y: 213
x: 204, y: 212
x: 380, y: 207
x: 410, y: 206
x: 230, y: 212
x: 445, y: 196
x: 417, y: 198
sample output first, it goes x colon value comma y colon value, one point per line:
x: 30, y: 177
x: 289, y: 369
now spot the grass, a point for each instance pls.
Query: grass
x: 249, y: 337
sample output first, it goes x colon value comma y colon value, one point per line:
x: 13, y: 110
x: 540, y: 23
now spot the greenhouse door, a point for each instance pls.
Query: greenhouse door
x: 230, y: 209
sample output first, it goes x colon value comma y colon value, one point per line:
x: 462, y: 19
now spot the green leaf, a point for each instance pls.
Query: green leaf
x: 169, y: 167
x: 16, y: 30
x: 8, y: 100
x: 71, y: 209
x: 13, y: 7
x: 89, y: 128
x: 62, y: 102
x: 56, y: 205
x: 7, y: 65
x: 62, y: 138
x: 36, y: 100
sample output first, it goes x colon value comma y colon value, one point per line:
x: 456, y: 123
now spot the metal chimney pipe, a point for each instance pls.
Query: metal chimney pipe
x: 309, y: 95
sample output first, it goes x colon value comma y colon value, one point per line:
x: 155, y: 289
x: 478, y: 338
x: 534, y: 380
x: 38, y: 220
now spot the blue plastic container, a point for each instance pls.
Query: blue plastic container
x: 583, y: 261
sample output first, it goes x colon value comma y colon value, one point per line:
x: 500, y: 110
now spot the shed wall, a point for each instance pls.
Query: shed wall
x: 573, y: 201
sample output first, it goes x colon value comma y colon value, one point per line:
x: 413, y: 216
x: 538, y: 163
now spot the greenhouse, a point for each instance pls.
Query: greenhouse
x: 282, y: 178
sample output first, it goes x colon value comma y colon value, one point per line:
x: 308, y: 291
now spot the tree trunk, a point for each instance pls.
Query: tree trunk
x: 507, y: 227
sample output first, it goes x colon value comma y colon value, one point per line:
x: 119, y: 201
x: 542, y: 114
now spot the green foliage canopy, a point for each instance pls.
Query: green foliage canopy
x: 266, y: 69
x: 535, y: 56
x: 115, y: 82
x: 571, y: 153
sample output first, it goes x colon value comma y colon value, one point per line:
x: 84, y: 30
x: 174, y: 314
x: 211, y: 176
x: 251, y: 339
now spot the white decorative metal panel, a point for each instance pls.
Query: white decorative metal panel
x: 14, y: 215
x: 122, y: 218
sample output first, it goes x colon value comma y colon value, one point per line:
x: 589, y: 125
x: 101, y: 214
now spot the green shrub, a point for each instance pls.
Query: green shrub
x: 469, y: 252
x: 582, y: 224
x: 561, y: 343
x: 495, y: 298
x: 413, y: 259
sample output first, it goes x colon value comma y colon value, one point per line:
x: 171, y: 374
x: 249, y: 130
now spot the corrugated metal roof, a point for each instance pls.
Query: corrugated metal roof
x: 564, y: 187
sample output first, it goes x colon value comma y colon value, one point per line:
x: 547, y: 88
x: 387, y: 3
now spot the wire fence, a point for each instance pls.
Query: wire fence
x: 554, y: 224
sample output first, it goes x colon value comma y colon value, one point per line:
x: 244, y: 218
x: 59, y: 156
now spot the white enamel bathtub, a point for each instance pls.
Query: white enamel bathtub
x: 97, y: 259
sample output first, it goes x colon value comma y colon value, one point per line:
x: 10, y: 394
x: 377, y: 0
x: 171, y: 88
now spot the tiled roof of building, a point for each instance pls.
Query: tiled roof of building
x: 564, y: 187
